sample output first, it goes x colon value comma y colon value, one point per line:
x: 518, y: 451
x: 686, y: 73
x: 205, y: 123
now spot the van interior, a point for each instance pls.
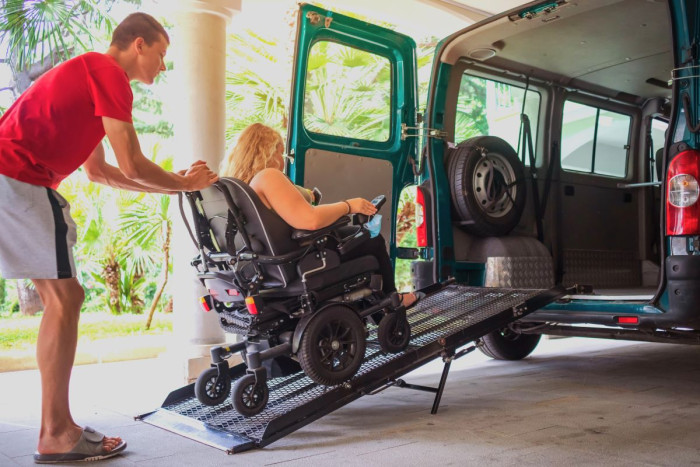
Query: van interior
x: 593, y: 77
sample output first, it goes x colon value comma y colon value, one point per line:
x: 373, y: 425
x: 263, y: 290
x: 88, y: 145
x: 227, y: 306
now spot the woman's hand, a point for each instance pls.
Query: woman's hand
x: 361, y: 206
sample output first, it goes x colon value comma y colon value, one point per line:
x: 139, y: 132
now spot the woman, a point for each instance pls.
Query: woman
x: 258, y: 159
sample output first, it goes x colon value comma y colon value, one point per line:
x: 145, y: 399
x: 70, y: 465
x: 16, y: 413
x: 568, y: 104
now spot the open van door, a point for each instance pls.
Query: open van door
x: 353, y: 94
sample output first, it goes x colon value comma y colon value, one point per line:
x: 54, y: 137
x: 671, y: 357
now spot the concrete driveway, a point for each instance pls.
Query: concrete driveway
x: 574, y: 402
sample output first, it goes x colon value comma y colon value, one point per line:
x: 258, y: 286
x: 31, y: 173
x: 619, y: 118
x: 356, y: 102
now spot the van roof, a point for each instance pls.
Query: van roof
x: 617, y: 48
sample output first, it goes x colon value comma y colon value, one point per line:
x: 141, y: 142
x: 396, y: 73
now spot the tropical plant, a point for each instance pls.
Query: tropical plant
x: 40, y: 34
x: 471, y: 115
x: 148, y: 225
x: 347, y: 92
x: 257, y: 88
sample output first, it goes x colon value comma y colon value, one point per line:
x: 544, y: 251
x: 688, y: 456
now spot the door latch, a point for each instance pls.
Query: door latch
x: 416, y: 131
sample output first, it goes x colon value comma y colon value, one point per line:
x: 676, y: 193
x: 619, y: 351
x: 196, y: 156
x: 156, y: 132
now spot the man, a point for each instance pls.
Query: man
x: 56, y: 126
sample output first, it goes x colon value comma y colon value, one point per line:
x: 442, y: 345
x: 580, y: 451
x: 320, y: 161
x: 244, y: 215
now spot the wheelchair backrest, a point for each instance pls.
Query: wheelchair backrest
x: 267, y: 232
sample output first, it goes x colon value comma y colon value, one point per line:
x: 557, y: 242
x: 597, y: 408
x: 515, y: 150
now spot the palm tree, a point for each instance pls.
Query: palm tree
x: 148, y: 225
x: 41, y: 34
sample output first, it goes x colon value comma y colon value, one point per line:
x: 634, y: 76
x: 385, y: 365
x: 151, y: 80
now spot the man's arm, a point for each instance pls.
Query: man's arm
x: 135, y: 167
x: 99, y: 171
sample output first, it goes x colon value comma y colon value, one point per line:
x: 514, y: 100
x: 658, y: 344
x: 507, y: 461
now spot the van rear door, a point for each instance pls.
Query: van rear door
x: 354, y: 89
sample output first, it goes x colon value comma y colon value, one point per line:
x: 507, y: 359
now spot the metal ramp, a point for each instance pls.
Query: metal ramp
x: 441, y: 324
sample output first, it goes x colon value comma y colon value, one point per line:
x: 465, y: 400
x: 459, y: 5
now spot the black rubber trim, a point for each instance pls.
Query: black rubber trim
x: 63, y: 268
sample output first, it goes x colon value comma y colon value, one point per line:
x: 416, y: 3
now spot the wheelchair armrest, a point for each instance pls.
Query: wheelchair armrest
x: 351, y: 241
x: 303, y: 235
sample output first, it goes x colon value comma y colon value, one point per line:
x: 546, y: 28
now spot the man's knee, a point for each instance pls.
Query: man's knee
x: 61, y: 293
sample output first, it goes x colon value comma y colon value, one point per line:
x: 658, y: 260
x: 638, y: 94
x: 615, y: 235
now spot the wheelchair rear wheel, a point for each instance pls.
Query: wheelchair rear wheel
x: 333, y: 345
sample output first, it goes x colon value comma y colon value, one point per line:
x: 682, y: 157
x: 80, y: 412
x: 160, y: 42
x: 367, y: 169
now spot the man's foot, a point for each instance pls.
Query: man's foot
x: 90, y: 446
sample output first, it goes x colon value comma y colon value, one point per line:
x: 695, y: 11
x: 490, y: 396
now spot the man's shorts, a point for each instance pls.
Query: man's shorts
x: 37, y: 233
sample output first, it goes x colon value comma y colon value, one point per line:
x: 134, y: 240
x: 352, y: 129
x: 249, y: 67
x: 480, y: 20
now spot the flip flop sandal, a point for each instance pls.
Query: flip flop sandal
x: 88, y: 448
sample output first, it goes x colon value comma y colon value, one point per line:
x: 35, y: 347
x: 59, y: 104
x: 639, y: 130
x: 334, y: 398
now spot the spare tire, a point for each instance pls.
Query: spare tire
x: 487, y: 184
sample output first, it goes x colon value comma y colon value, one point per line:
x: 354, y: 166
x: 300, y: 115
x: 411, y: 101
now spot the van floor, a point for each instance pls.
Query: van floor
x: 631, y: 293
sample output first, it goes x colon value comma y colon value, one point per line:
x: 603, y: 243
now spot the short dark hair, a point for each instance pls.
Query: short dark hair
x: 138, y: 25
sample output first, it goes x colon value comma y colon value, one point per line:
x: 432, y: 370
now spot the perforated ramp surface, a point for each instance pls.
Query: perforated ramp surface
x: 441, y: 322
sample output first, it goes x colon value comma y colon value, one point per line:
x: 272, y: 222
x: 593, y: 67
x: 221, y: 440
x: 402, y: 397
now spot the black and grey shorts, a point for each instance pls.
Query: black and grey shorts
x: 37, y: 233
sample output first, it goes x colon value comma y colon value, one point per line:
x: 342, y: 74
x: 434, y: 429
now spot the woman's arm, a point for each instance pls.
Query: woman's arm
x: 276, y: 191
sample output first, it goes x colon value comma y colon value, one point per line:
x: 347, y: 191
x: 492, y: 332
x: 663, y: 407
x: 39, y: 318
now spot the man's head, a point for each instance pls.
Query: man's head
x: 138, y: 25
x: 146, y: 41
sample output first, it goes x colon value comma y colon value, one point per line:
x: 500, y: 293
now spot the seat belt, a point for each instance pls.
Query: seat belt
x: 528, y: 148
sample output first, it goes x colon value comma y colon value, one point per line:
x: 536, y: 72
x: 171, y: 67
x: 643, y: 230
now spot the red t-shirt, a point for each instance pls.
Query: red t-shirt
x: 55, y: 125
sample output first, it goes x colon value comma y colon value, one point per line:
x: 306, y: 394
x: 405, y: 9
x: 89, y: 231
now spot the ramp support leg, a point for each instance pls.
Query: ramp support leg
x: 441, y: 387
x: 447, y: 357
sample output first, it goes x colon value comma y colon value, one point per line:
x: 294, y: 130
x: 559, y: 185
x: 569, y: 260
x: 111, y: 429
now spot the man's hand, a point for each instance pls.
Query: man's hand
x: 184, y: 171
x: 198, y: 176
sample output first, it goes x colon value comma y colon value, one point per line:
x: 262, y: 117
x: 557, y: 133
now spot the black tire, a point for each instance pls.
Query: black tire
x: 211, y: 389
x: 333, y: 345
x: 249, y: 398
x: 394, y: 332
x: 507, y: 344
x: 487, y: 185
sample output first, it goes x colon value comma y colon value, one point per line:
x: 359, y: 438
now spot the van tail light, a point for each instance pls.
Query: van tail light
x: 682, y: 207
x: 421, y: 224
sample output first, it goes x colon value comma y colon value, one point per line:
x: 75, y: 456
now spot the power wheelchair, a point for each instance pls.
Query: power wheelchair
x: 288, y: 293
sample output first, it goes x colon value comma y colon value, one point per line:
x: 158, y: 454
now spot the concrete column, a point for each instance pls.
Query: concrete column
x: 198, y: 49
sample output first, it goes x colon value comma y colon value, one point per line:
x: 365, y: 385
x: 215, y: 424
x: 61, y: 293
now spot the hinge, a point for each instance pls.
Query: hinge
x: 519, y: 310
x: 315, y: 18
x: 429, y: 132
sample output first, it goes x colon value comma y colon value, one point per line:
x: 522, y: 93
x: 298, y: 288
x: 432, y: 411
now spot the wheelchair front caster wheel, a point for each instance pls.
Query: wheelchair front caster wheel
x: 212, y: 389
x: 394, y: 332
x: 249, y: 397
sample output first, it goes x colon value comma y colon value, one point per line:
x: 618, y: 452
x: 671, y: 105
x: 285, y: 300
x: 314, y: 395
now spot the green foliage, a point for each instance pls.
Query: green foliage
x: 471, y: 115
x: 257, y: 87
x: 3, y: 292
x: 347, y: 92
x: 22, y: 331
x: 148, y: 110
x: 52, y: 29
x: 120, y: 248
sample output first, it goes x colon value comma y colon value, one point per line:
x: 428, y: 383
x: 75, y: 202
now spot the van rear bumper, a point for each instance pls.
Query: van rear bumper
x: 683, y: 288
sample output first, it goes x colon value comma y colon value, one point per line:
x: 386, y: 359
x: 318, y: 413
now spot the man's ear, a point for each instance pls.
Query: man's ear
x: 138, y: 45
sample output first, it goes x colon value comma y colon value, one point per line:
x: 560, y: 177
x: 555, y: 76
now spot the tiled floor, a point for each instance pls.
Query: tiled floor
x: 573, y: 402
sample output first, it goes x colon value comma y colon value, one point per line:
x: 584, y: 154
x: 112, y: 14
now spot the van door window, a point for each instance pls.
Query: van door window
x: 487, y: 107
x: 594, y: 140
x: 347, y: 92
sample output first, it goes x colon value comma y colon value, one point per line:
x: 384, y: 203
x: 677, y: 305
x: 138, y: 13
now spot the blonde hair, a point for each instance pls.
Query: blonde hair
x: 255, y: 148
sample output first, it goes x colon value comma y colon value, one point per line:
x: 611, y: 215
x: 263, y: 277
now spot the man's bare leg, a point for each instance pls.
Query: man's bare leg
x: 55, y: 353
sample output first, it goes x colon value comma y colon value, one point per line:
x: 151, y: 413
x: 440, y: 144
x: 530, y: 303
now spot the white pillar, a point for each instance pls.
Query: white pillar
x: 198, y: 49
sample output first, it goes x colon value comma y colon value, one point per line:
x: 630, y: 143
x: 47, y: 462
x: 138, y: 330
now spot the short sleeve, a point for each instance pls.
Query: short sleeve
x: 111, y: 93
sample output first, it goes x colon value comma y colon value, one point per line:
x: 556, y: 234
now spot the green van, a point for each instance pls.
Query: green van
x: 558, y: 146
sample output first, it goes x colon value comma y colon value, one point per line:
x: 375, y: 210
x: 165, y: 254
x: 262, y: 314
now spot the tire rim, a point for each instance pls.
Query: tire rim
x: 214, y: 387
x: 337, y: 345
x: 252, y: 395
x: 494, y: 185
x: 398, y: 333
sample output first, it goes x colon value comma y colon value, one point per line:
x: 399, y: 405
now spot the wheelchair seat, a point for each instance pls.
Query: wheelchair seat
x: 256, y: 246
